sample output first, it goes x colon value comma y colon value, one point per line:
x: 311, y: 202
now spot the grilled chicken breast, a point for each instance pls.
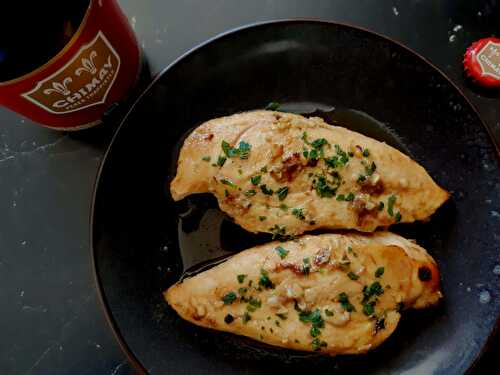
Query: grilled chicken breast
x: 286, y: 174
x: 334, y: 293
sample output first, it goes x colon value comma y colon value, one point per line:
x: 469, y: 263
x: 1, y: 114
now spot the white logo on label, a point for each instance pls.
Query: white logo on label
x: 93, y: 77
x: 485, y: 59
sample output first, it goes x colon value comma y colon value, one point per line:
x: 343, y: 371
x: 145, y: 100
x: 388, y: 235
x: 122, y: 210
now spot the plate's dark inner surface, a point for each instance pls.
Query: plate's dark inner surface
x: 139, y: 232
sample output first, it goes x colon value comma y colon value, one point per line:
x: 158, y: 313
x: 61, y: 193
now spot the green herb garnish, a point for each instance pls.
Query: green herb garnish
x: 228, y: 183
x: 306, y: 266
x: 250, y: 193
x: 256, y: 179
x: 379, y: 272
x: 243, y: 150
x: 282, y: 316
x: 366, y: 152
x: 349, y: 197
x: 246, y: 317
x: 344, y: 302
x: 229, y: 298
x: 262, y: 218
x: 282, y: 252
x: 282, y: 192
x: 317, y: 344
x: 298, y: 213
x: 241, y: 278
x: 390, y: 205
x: 272, y: 106
x: 323, y: 189
x: 253, y: 304
x: 264, y: 280
x: 352, y: 275
x: 375, y: 289
x: 368, y: 308
x: 221, y: 160
x: 328, y: 312
x: 278, y: 231
x: 380, y: 206
x: 398, y: 217
x: 206, y: 158
x: 266, y: 190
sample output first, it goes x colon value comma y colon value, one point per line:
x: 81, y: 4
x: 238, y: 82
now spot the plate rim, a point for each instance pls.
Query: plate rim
x: 102, y: 299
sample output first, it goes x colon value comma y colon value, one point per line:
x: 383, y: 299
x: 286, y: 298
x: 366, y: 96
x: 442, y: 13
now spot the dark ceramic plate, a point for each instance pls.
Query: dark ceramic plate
x: 142, y: 240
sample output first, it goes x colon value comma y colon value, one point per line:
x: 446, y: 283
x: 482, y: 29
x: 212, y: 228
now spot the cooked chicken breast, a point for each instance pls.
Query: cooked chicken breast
x: 333, y: 293
x: 285, y: 174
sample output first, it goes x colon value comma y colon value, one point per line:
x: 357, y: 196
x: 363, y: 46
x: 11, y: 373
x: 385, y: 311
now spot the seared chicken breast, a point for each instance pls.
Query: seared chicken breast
x: 334, y: 293
x: 285, y: 174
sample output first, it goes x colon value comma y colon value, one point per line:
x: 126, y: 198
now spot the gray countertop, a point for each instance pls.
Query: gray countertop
x: 51, y: 320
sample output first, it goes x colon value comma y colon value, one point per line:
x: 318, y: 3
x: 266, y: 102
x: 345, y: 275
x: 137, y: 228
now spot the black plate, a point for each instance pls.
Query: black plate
x: 139, y: 233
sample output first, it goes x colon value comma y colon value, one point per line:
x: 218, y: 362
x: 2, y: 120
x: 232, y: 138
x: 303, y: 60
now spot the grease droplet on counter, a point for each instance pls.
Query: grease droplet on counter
x: 496, y: 270
x: 484, y: 297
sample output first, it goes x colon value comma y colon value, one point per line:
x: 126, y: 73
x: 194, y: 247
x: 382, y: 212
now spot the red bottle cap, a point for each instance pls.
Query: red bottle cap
x: 482, y: 62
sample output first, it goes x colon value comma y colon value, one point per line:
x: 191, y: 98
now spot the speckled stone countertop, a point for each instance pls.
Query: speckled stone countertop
x: 51, y: 321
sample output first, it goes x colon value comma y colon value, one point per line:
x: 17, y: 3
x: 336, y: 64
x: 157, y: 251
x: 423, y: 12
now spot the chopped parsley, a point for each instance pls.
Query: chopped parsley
x: 250, y: 193
x: 282, y: 252
x: 264, y: 280
x: 344, y: 302
x: 314, y: 332
x: 361, y: 179
x: 256, y: 179
x: 398, y: 217
x: 318, y: 143
x: 343, y: 156
x: 375, y: 289
x: 306, y: 266
x: 246, y: 317
x: 390, y: 205
x: 379, y: 272
x: 221, y: 160
x: 241, y: 278
x: 282, y: 192
x: 243, y: 150
x: 341, y: 197
x: 206, y: 158
x: 228, y: 319
x: 229, y: 298
x: 323, y: 189
x: 278, y: 231
x: 317, y: 344
x: 352, y: 275
x: 368, y: 308
x: 226, y: 193
x: 282, y: 316
x: 228, y: 183
x: 380, y: 206
x: 266, y: 190
x: 366, y: 152
x: 284, y: 207
x: 263, y: 169
x: 349, y: 197
x: 298, y: 213
x: 314, y: 317
x: 253, y: 304
x: 272, y: 106
x: 262, y: 218
x: 242, y: 291
x: 328, y: 312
